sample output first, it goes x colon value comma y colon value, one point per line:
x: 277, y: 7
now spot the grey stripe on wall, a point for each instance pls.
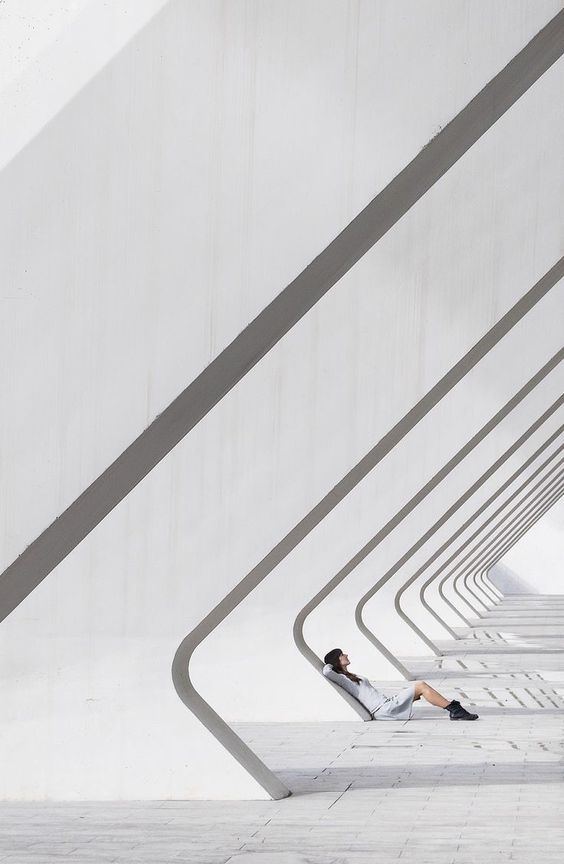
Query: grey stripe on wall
x: 518, y: 527
x: 518, y: 511
x: 501, y: 551
x: 489, y: 501
x: 444, y: 598
x: 417, y: 499
x: 482, y: 555
x: 463, y: 546
x: 181, y: 663
x: 169, y: 428
x: 427, y: 535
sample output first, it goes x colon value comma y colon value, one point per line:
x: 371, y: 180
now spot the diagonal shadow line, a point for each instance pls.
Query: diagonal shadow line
x: 510, y: 541
x: 494, y: 590
x: 467, y: 523
x: 181, y: 663
x: 496, y: 595
x: 454, y: 570
x: 479, y: 551
x: 422, y: 540
x: 256, y: 340
x: 475, y: 594
x: 500, y: 510
x: 425, y: 490
x: 380, y: 536
x: 485, y: 591
x: 483, y: 594
x: 446, y: 600
x: 483, y: 554
x: 463, y: 546
x: 488, y: 591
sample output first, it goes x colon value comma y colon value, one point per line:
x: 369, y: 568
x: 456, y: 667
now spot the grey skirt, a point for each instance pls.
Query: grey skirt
x: 397, y: 707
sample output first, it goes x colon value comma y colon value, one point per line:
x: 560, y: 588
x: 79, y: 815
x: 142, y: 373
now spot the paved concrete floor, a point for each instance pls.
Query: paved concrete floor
x: 424, y: 791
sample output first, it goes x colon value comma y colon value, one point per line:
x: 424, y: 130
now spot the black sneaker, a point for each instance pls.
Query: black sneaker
x: 457, y: 712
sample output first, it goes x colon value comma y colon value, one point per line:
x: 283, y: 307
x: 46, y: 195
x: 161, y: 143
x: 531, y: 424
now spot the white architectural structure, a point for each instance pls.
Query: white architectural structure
x: 147, y: 221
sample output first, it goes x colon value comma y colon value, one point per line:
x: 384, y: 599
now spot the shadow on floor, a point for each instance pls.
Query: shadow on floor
x: 402, y: 776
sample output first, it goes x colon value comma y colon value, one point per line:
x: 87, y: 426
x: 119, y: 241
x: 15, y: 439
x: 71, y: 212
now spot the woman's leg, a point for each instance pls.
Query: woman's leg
x: 422, y: 689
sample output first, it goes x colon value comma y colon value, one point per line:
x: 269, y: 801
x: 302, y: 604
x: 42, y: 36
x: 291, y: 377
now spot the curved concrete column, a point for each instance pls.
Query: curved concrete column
x: 181, y: 664
x: 436, y: 526
x: 484, y: 601
x: 520, y: 517
x: 467, y: 523
x: 531, y: 567
x: 435, y: 575
x: 441, y: 589
x: 486, y: 581
x: 118, y: 481
x: 484, y: 591
x: 514, y: 540
x: 452, y: 573
x: 380, y: 536
x: 516, y: 531
x: 481, y: 556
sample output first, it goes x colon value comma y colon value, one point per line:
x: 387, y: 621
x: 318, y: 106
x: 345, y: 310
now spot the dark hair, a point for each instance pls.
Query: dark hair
x: 332, y: 658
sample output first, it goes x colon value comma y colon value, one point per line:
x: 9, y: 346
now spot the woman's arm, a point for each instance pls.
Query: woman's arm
x: 341, y: 680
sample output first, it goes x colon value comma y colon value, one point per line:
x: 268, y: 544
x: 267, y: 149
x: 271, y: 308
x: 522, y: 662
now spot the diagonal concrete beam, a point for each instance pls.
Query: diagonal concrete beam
x: 417, y: 499
x: 452, y: 574
x: 519, y: 527
x: 467, y: 524
x: 460, y: 549
x: 181, y: 663
x: 484, y: 591
x: 63, y: 535
x: 497, y: 557
x: 482, y: 555
x: 519, y: 512
x: 541, y: 470
x: 207, y: 389
x: 425, y: 537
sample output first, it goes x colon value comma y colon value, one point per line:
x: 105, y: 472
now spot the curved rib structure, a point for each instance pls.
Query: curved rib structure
x: 452, y: 573
x: 518, y: 528
x: 431, y: 531
x: 378, y: 538
x: 481, y: 556
x: 180, y: 667
x: 56, y: 542
x: 520, y: 517
x: 420, y: 570
x: 467, y: 524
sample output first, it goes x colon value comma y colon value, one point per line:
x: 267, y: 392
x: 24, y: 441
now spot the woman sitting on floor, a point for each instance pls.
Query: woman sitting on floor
x: 380, y: 706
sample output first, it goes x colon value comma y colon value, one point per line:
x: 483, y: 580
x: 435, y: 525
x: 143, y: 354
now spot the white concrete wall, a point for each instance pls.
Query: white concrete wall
x: 535, y: 564
x: 157, y: 212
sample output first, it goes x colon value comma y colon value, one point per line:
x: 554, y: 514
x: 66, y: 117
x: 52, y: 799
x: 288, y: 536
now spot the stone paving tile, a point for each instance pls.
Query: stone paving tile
x: 424, y: 791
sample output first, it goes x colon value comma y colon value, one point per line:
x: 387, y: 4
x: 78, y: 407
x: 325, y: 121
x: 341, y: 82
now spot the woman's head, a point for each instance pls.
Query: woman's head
x: 339, y: 661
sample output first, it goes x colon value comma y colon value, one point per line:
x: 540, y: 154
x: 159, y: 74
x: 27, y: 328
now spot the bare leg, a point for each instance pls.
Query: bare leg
x: 422, y: 689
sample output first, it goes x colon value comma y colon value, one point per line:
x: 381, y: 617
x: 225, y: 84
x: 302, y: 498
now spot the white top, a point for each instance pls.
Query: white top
x: 366, y: 694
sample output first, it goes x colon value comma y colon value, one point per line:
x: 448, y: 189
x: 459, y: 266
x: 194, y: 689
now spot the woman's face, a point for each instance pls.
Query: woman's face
x: 344, y: 661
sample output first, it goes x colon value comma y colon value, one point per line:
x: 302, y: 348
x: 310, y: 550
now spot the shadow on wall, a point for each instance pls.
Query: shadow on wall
x: 507, y: 581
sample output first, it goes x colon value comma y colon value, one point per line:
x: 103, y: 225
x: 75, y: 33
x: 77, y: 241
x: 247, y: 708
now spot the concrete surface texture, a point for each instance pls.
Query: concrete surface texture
x: 147, y: 222
x: 423, y: 791
x: 536, y: 562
